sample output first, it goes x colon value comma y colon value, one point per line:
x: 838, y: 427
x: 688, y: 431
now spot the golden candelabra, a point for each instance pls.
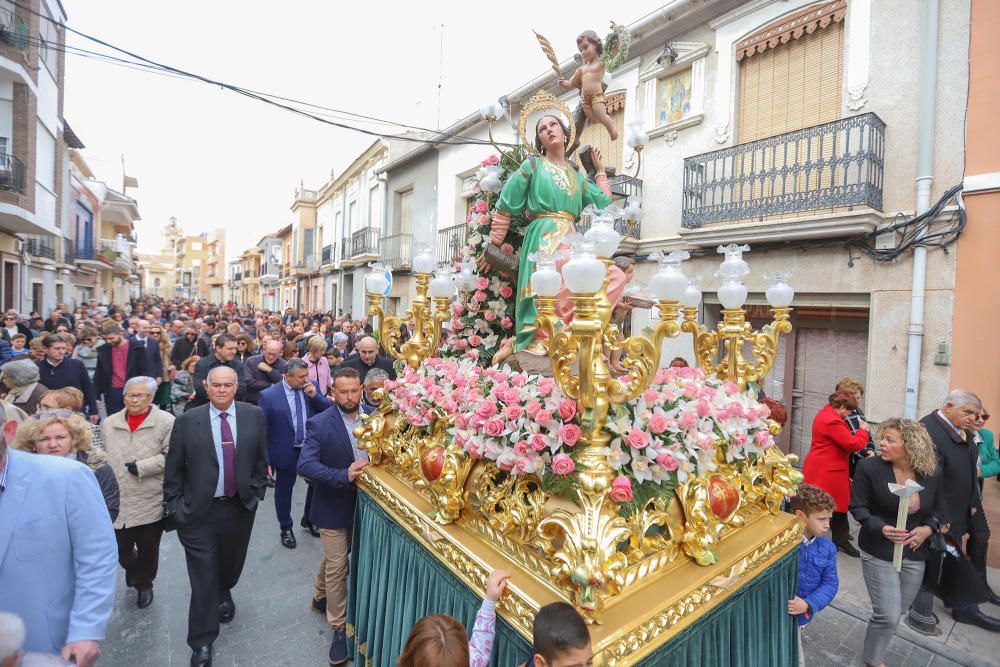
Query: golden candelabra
x: 423, y: 320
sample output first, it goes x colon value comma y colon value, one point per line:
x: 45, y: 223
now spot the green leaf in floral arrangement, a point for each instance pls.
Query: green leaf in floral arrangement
x: 646, y: 491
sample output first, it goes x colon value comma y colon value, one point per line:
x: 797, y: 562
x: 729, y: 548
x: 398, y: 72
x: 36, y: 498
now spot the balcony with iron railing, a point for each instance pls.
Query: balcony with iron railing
x: 451, y: 243
x: 396, y: 250
x: 833, y: 166
x: 13, y: 30
x: 11, y: 174
x: 364, y: 242
x: 42, y: 247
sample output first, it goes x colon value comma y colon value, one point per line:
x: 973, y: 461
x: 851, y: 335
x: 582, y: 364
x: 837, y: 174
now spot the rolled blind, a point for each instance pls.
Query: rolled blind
x: 793, y: 85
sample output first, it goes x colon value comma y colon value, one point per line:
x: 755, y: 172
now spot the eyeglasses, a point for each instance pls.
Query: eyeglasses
x: 53, y: 413
x: 155, y: 332
x: 136, y: 397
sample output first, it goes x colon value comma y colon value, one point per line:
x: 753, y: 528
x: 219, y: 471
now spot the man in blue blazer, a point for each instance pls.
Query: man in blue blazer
x: 287, y: 406
x: 331, y: 460
x: 58, y: 556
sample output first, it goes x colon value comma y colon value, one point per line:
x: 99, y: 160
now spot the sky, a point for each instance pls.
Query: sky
x: 213, y: 158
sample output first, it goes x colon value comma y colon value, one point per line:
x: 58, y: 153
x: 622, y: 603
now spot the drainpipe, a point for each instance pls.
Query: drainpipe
x: 925, y: 170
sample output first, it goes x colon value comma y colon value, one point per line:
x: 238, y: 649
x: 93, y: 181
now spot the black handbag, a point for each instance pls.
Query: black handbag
x: 950, y: 575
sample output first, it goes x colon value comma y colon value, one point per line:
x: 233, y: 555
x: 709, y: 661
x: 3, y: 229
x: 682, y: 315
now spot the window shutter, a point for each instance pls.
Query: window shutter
x: 793, y: 85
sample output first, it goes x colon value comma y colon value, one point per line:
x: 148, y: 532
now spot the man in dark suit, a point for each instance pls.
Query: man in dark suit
x: 951, y: 428
x: 57, y: 371
x: 263, y: 370
x: 213, y: 480
x: 287, y: 406
x: 154, y: 360
x: 119, y: 359
x: 367, y: 358
x: 224, y: 355
x: 331, y: 460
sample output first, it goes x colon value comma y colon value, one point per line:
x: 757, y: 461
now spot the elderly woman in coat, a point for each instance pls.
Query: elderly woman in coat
x: 23, y: 388
x: 136, y: 441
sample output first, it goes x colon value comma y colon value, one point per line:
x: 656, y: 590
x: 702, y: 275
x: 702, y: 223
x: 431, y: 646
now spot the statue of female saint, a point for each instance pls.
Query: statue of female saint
x: 550, y: 193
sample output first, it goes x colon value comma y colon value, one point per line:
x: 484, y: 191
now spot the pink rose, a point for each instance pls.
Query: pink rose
x: 472, y: 354
x: 489, y: 316
x: 491, y: 161
x: 703, y: 408
x: 506, y: 291
x: 650, y: 396
x: 506, y: 323
x: 483, y: 220
x: 687, y: 421
x: 621, y: 489
x: 458, y: 325
x: 486, y: 409
x: 546, y: 385
x: 562, y: 464
x: 657, y: 424
x: 480, y: 295
x: 482, y: 284
x: 521, y: 448
x: 667, y: 460
x: 518, y: 380
x: 513, y: 412
x: 567, y: 409
x: 462, y: 344
x: 521, y: 465
x: 543, y: 417
x: 637, y: 438
x: 480, y: 206
x: 532, y: 408
x: 569, y: 433
x: 461, y: 420
x: 493, y: 427
x: 507, y: 248
x: 457, y: 308
x: 730, y: 388
x: 475, y: 341
x: 539, y: 442
x: 690, y: 389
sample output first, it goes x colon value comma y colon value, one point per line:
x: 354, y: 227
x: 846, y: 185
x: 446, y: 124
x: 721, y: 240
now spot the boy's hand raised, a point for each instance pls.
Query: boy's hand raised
x: 496, y: 584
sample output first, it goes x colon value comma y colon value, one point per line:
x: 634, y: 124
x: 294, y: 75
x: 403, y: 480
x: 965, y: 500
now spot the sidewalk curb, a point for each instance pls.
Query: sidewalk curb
x: 903, y: 632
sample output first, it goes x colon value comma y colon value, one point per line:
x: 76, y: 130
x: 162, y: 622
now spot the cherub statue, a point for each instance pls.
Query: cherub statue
x: 589, y: 78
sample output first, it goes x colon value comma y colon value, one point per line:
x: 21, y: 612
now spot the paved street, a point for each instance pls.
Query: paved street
x: 274, y: 625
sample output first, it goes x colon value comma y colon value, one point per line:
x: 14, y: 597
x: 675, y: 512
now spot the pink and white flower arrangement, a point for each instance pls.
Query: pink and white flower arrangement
x: 438, y: 389
x: 676, y: 424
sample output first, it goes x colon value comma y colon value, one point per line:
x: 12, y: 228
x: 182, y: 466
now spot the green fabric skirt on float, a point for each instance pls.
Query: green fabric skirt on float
x: 395, y: 581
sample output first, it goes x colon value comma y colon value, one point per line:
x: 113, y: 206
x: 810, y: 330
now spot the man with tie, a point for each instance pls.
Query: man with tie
x: 331, y: 460
x: 287, y: 406
x: 213, y: 479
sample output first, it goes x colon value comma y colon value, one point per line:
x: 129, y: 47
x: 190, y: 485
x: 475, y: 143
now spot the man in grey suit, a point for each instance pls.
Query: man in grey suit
x: 58, y: 555
x: 214, y: 478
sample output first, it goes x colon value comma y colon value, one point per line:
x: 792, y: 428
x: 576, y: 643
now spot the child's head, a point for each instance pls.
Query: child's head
x: 17, y: 341
x: 189, y: 363
x: 435, y: 641
x: 560, y: 637
x: 814, y: 507
x: 588, y: 40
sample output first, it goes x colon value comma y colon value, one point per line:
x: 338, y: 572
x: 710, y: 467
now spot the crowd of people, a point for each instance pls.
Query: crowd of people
x: 119, y: 424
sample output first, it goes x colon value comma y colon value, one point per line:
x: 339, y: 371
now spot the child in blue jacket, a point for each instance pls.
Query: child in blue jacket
x: 818, y: 580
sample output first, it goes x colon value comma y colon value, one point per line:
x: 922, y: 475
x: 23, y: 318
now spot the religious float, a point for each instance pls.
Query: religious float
x: 647, y: 497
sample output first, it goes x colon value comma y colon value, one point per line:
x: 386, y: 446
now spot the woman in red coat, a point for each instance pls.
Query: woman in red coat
x: 827, y: 464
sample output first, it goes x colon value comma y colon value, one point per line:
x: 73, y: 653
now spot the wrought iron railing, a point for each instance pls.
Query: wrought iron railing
x: 83, y: 251
x: 828, y: 166
x: 237, y: 277
x: 623, y: 187
x: 450, y: 243
x: 364, y: 242
x: 627, y: 228
x: 396, y: 250
x: 13, y: 30
x: 327, y: 254
x: 11, y: 173
x: 38, y: 246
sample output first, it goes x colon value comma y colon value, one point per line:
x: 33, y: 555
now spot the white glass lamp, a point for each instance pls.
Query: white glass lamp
x: 603, y: 234
x: 376, y: 281
x: 584, y: 273
x: 466, y: 280
x: 423, y: 261
x: 637, y: 137
x: 692, y: 295
x: 545, y: 281
x: 780, y: 294
x: 732, y: 295
x: 494, y: 110
x: 669, y: 282
x: 443, y: 286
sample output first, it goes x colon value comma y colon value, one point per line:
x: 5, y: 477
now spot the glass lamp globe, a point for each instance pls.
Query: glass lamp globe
x: 732, y: 294
x: 545, y: 281
x: 780, y: 294
x: 604, y: 237
x: 376, y: 281
x: 443, y: 286
x: 669, y: 282
x: 733, y: 267
x: 584, y: 273
x: 423, y: 261
x: 692, y: 295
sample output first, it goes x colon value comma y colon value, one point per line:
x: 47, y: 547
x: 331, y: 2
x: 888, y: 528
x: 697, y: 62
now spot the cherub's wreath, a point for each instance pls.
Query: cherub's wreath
x: 616, y: 47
